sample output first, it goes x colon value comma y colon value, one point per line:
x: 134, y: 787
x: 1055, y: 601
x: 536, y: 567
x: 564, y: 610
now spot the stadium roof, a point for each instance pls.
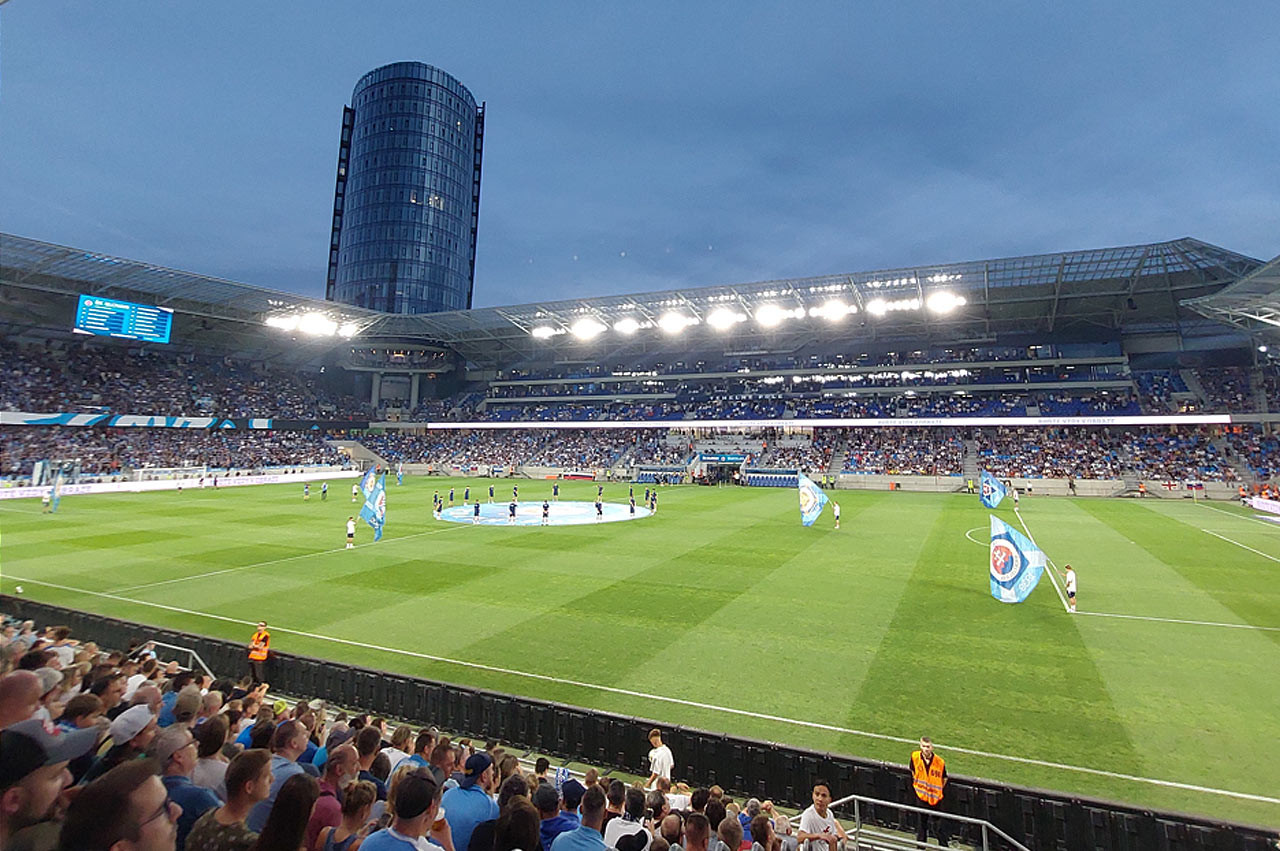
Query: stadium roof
x: 1252, y: 303
x: 1109, y: 288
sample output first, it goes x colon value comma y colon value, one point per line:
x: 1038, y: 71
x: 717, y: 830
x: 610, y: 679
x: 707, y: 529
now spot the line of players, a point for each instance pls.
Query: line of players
x: 438, y: 502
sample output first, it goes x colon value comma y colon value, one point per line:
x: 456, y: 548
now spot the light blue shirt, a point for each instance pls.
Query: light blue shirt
x: 281, y: 770
x: 464, y: 808
x: 580, y: 839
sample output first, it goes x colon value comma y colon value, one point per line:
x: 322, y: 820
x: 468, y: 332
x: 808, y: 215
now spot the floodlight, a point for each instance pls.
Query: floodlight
x: 722, y: 318
x: 626, y: 325
x: 284, y: 323
x: 943, y: 301
x: 542, y: 332
x: 588, y: 327
x: 1262, y: 349
x: 770, y: 315
x: 835, y: 310
x: 674, y: 322
x: 877, y: 307
x: 316, y: 324
x: 347, y: 330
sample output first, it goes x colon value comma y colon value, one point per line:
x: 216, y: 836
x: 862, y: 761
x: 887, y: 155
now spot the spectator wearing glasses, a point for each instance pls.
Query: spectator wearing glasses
x: 174, y: 749
x: 126, y: 809
x: 33, y: 774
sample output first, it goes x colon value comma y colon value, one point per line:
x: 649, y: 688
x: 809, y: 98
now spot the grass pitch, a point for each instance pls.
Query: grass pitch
x: 884, y: 627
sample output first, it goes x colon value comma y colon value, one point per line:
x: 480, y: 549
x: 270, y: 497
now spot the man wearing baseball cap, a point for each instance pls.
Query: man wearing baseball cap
x: 131, y: 734
x: 33, y: 773
x: 417, y: 801
x: 469, y: 804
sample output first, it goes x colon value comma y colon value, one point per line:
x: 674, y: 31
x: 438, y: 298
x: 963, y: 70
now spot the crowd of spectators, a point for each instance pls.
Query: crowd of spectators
x: 1050, y: 453
x: 1156, y: 388
x: 1227, y: 389
x: 1258, y: 451
x: 1177, y: 456
x: 103, y: 452
x: 906, y: 452
x: 161, y: 382
x: 105, y: 749
x: 1101, y: 404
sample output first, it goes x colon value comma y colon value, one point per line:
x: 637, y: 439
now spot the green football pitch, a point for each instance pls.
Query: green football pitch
x: 723, y: 612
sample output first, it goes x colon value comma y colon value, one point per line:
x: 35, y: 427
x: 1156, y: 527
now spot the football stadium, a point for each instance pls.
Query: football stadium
x: 1023, y: 506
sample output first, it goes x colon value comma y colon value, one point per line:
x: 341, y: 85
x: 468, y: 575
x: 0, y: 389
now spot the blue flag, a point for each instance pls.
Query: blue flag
x: 374, y: 511
x: 400, y: 474
x: 991, y: 490
x: 56, y: 496
x: 812, y: 500
x: 367, y: 482
x: 1016, y: 563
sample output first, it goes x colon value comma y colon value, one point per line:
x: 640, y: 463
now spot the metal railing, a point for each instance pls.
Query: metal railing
x: 864, y: 837
x: 193, y: 658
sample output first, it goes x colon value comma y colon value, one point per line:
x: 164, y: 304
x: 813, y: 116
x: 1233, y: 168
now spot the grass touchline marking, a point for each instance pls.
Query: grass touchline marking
x: 1266, y: 523
x: 816, y: 725
x: 1181, y: 620
x: 273, y: 561
x: 1053, y: 569
x: 1242, y: 546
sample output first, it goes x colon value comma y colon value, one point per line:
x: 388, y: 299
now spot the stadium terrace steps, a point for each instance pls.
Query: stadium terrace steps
x: 359, y: 452
x: 1192, y: 381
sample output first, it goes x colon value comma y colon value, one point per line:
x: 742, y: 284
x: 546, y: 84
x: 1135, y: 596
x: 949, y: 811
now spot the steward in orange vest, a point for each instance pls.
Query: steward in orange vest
x: 929, y: 781
x: 259, y: 649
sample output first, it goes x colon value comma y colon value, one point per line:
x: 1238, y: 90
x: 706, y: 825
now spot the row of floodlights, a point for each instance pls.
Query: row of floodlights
x: 312, y: 324
x: 767, y: 316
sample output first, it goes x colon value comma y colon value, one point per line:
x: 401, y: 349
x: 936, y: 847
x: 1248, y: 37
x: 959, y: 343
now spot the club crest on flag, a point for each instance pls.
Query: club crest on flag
x: 1005, y: 560
x: 1015, y: 563
x: 992, y: 492
x: 812, y: 500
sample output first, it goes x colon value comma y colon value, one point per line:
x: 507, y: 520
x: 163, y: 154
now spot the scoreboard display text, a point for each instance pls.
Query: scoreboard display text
x: 112, y: 318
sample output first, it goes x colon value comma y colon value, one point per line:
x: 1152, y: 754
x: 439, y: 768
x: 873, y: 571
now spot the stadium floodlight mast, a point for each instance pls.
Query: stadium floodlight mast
x: 833, y: 310
x: 312, y: 324
x: 543, y: 332
x: 722, y: 318
x: 626, y: 325
x: 587, y: 328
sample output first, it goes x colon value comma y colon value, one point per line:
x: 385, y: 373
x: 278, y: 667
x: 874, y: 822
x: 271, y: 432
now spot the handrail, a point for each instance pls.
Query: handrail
x: 194, y: 655
x: 982, y: 823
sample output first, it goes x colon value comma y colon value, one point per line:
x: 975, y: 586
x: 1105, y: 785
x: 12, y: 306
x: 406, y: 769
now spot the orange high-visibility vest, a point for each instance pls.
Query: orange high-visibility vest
x: 258, y: 645
x: 927, y: 780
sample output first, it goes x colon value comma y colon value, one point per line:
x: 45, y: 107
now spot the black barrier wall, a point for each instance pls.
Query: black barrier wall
x: 1037, y: 818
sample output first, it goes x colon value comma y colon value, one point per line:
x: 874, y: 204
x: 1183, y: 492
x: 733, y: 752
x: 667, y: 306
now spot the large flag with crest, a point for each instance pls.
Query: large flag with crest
x: 991, y: 491
x: 374, y: 511
x: 56, y: 496
x: 1016, y: 563
x: 368, y: 480
x: 812, y: 500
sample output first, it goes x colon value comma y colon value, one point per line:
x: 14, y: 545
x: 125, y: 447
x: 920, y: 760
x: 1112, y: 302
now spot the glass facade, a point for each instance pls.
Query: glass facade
x: 408, y: 192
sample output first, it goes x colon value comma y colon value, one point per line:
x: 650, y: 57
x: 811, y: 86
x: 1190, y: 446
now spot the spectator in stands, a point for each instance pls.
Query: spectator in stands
x: 470, y: 804
x: 149, y: 696
x: 553, y: 820
x: 819, y: 830
x: 368, y: 744
x: 248, y: 782
x: 401, y: 740
x: 540, y: 768
x: 729, y: 833
x: 672, y: 830
x: 286, y: 827
x: 615, y: 798
x: 749, y: 811
x: 81, y: 711
x: 422, y: 746
x: 630, y: 826
x: 19, y: 697
x: 762, y: 831
x: 174, y: 749
x: 443, y: 759
x: 517, y: 828
x: 588, y: 836
x: 340, y: 769
x: 698, y: 800
x: 33, y: 773
x: 126, y: 808
x: 211, y: 763
x: 131, y: 734
x: 697, y: 832
x: 180, y: 681
x: 187, y: 706
x: 110, y: 687
x: 357, y: 804
x: 661, y: 760
x: 482, y: 838
x: 287, y: 744
x: 417, y: 799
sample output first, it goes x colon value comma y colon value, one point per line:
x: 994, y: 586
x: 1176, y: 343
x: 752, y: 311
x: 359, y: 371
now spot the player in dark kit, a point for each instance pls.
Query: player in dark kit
x: 599, y: 491
x: 632, y: 500
x: 466, y: 494
x: 511, y: 512
x: 631, y: 491
x: 555, y: 491
x: 475, y: 514
x: 450, y: 496
x: 491, y: 493
x: 599, y: 510
x: 515, y: 492
x: 546, y: 512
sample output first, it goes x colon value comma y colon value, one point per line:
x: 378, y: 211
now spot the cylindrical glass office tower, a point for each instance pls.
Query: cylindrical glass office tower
x: 408, y: 192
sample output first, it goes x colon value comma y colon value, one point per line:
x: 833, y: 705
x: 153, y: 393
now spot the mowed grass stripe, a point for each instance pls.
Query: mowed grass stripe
x: 1244, y: 583
x: 960, y: 666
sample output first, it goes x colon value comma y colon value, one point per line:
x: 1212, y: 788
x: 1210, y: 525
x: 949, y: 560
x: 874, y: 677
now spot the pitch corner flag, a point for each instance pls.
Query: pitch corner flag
x: 991, y: 491
x: 1016, y: 563
x: 374, y: 511
x: 812, y: 500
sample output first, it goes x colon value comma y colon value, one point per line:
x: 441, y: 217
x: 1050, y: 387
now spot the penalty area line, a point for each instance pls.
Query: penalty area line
x: 226, y: 570
x: 727, y: 710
